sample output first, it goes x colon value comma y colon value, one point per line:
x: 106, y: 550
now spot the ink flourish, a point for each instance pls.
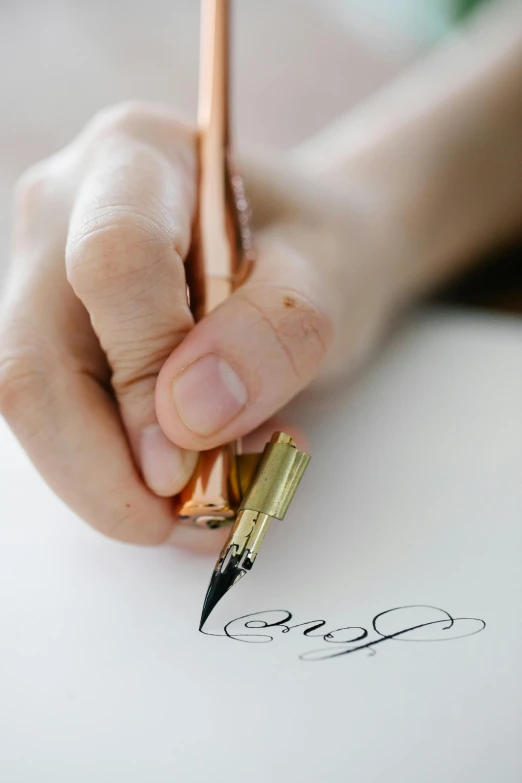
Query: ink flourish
x: 415, y: 623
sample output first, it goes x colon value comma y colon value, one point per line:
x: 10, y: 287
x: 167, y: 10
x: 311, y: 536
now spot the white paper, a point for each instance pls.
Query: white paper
x: 413, y: 497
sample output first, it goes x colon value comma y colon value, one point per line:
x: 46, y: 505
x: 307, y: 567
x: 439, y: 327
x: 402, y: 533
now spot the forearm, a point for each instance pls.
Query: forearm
x: 437, y: 157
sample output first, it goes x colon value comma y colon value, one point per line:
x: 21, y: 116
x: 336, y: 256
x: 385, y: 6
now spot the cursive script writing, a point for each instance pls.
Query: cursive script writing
x: 415, y: 623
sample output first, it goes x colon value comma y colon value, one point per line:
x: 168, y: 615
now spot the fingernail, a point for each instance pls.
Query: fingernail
x: 208, y: 394
x: 166, y: 468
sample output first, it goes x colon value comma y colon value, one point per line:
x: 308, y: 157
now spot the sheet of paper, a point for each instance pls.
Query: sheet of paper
x: 381, y: 630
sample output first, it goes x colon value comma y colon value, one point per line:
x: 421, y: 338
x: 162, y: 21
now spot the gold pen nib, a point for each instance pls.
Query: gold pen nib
x: 268, y: 496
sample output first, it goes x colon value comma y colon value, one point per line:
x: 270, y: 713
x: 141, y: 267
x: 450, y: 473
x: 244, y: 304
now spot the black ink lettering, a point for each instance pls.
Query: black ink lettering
x: 447, y: 621
x: 330, y: 637
x: 314, y: 625
x: 252, y: 638
x: 402, y: 629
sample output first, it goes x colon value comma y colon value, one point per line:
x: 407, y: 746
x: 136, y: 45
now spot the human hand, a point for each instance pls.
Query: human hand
x: 104, y: 378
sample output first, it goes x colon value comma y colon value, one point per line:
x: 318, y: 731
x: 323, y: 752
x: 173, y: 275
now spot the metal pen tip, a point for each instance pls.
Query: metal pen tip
x: 220, y: 584
x: 213, y: 596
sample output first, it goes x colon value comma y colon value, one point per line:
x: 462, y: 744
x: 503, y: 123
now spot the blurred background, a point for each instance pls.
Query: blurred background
x: 297, y: 65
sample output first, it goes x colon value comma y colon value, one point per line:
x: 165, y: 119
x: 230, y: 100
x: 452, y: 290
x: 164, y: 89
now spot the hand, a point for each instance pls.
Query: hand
x: 105, y: 380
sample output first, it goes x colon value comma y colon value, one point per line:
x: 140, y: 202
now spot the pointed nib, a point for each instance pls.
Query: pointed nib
x: 216, y: 590
x: 219, y: 585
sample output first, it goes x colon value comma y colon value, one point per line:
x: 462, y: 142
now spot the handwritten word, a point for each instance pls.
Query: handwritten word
x: 415, y: 623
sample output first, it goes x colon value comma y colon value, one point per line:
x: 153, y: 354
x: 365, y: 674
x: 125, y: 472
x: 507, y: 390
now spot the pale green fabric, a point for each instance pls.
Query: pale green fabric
x: 422, y: 20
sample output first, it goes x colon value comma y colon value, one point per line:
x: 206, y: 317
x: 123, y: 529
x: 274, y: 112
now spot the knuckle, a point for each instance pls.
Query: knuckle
x: 136, y: 364
x: 32, y: 189
x: 156, y: 125
x: 301, y: 328
x: 136, y: 118
x: 123, y: 117
x: 115, y: 250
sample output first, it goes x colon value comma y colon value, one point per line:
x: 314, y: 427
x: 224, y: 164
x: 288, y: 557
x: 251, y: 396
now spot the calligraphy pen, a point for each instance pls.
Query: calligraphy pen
x: 228, y: 487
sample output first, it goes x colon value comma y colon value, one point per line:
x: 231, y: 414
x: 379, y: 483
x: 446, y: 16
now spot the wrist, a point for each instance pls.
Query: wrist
x: 434, y: 159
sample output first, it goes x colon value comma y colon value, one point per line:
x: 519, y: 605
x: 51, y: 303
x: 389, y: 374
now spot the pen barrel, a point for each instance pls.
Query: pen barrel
x: 215, y: 251
x: 277, y: 477
x: 219, y: 242
x: 221, y: 257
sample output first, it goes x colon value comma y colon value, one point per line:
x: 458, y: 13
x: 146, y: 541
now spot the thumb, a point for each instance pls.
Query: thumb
x: 250, y: 356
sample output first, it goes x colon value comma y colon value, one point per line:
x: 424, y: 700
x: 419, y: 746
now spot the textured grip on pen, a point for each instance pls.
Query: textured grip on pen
x: 276, y: 479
